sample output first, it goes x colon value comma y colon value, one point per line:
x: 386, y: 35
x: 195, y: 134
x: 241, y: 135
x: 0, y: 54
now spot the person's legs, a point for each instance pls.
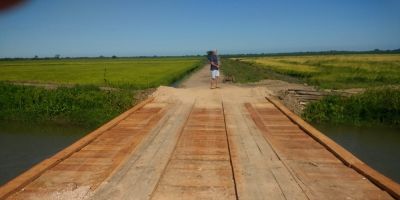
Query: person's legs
x: 212, y: 79
x: 216, y: 78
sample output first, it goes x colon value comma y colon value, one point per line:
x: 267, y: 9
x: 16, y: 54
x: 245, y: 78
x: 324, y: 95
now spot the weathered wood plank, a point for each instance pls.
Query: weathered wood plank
x: 200, y: 166
x: 85, y: 176
x: 320, y: 174
x: 259, y: 174
x: 141, y: 174
x: 34, y: 172
x: 346, y: 157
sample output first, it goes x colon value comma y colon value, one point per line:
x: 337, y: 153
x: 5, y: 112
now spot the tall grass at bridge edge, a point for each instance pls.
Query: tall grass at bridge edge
x: 374, y: 106
x: 86, y: 106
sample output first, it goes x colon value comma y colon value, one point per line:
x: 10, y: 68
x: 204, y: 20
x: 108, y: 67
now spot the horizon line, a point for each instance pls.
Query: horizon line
x: 58, y: 56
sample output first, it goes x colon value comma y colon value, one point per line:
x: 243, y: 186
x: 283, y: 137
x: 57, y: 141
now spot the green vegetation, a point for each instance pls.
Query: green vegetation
x: 336, y: 71
x: 318, y: 53
x: 83, y: 105
x: 378, y: 105
x: 122, y: 73
x: 245, y: 72
x: 375, y: 106
x: 79, y: 99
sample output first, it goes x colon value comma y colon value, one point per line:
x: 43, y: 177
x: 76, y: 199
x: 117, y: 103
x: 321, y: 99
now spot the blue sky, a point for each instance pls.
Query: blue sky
x: 179, y: 27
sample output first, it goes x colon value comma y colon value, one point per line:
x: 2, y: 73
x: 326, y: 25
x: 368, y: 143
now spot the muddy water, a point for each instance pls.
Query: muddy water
x: 379, y: 147
x: 22, y: 145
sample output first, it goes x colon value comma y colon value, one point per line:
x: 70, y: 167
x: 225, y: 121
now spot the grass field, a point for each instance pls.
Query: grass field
x: 84, y: 103
x: 132, y: 73
x: 336, y: 71
x: 245, y: 72
x: 378, y: 73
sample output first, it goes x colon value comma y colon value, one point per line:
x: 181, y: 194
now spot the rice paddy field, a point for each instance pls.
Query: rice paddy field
x: 335, y: 71
x: 77, y: 98
x: 377, y: 74
x: 132, y: 73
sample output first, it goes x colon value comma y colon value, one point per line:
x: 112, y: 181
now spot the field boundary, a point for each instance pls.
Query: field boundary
x: 34, y: 172
x: 341, y: 153
x: 51, y: 86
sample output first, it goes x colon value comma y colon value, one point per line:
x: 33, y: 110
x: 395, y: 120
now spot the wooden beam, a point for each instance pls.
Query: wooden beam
x: 385, y: 183
x: 31, y: 174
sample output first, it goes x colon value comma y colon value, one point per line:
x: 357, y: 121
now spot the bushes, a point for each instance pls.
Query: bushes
x: 83, y: 105
x: 376, y: 106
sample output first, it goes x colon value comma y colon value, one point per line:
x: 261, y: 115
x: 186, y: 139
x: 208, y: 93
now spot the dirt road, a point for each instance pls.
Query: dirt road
x: 197, y: 143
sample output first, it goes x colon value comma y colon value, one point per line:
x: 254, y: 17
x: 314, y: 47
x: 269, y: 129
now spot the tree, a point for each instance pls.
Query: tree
x: 114, y: 56
x: 57, y: 56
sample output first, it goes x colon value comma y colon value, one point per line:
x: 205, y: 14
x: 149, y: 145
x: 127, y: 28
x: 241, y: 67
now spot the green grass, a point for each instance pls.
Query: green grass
x: 81, y: 105
x: 245, y: 72
x: 131, y: 73
x: 378, y: 105
x: 336, y: 71
x: 375, y: 106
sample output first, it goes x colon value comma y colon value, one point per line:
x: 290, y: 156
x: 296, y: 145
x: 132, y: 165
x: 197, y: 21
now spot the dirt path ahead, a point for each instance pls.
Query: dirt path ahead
x: 199, y: 79
x: 197, y: 143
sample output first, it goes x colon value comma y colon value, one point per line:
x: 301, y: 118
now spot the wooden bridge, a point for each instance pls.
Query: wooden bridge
x: 196, y: 143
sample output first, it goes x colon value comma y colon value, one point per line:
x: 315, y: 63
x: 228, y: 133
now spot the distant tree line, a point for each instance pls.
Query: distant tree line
x: 331, y: 52
x: 57, y: 56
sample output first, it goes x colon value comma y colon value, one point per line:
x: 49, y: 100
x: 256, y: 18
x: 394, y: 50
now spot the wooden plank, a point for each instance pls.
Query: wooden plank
x: 334, y: 181
x: 199, y: 168
x: 174, y: 192
x: 34, y: 172
x: 142, y: 171
x: 53, y: 179
x: 346, y: 157
x: 319, y: 173
x: 259, y: 173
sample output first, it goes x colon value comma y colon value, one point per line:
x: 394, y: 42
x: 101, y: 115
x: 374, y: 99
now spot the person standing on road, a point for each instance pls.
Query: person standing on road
x: 214, y: 68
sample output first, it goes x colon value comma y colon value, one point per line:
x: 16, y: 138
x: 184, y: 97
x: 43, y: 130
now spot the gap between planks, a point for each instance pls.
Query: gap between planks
x: 229, y: 151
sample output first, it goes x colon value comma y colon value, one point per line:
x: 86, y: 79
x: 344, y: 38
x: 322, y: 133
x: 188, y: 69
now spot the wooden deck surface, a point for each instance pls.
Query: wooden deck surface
x: 201, y: 144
